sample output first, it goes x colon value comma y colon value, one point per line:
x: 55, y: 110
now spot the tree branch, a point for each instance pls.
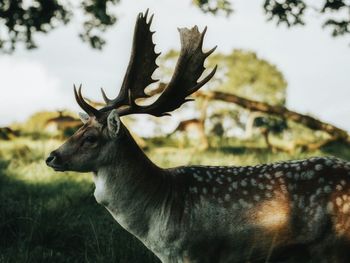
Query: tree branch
x: 280, y: 111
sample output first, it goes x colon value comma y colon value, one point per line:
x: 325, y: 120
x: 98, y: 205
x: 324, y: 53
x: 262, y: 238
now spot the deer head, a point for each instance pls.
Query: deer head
x: 103, y: 130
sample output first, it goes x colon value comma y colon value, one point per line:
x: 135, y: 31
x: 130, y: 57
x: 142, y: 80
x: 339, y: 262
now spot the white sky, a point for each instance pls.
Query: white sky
x: 316, y: 66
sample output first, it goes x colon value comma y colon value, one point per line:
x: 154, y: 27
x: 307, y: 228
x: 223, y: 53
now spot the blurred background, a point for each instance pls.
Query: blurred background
x: 281, y: 92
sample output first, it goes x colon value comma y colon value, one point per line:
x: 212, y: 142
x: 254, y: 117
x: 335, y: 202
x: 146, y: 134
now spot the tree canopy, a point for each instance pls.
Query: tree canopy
x: 22, y: 20
x: 244, y: 74
x: 334, y: 13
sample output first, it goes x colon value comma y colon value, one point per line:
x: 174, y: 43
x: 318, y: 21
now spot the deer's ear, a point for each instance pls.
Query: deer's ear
x: 84, y: 117
x: 114, y: 124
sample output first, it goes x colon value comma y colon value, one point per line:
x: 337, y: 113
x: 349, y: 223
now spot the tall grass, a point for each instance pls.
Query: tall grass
x: 53, y: 217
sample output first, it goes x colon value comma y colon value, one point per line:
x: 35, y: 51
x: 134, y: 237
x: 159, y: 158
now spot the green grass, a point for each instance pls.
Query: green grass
x: 53, y: 217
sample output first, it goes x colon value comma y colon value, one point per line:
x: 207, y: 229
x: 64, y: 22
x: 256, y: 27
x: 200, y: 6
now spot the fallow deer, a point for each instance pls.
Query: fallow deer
x: 295, y: 210
x: 62, y: 123
x: 194, y: 130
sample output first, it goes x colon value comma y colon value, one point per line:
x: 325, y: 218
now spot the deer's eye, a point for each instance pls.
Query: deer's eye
x: 90, y: 139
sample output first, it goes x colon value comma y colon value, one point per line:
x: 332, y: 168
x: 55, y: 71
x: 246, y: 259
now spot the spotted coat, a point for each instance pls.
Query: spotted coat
x: 256, y: 208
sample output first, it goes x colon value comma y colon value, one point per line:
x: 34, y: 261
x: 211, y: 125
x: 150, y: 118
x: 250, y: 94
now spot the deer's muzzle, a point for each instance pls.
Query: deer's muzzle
x: 54, y: 161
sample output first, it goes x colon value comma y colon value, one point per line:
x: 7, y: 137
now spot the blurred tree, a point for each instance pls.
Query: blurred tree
x: 214, y: 6
x: 292, y: 12
x: 20, y: 20
x: 246, y: 75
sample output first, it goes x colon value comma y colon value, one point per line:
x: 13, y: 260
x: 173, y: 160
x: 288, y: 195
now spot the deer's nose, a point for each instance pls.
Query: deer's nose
x: 52, y: 158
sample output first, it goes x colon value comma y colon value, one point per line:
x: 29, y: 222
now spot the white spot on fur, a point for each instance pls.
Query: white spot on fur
x: 268, y: 195
x: 327, y: 189
x: 241, y: 202
x: 346, y: 208
x: 338, y: 201
x: 328, y: 162
x: 319, y: 191
x: 218, y: 180
x: 339, y: 187
x: 268, y: 176
x: 278, y: 173
x: 284, y: 189
x: 234, y: 185
x: 318, y: 167
x: 209, y: 175
x: 330, y: 207
x: 321, y: 180
x: 253, y: 182
x: 194, y: 190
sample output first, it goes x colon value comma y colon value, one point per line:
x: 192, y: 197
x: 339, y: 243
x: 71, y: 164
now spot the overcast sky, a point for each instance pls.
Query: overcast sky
x: 316, y: 66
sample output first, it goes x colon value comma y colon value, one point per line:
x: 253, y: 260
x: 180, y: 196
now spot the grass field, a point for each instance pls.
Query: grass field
x: 53, y: 217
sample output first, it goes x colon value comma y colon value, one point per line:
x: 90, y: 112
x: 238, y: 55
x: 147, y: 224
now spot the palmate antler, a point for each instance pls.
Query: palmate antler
x: 184, y: 82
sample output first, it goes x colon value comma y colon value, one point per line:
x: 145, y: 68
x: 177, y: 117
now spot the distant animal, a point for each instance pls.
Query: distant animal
x: 6, y: 133
x: 295, y: 211
x: 194, y: 130
x: 61, y: 123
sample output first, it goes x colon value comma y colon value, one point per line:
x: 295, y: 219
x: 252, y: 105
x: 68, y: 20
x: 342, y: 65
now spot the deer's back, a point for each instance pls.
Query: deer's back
x: 253, y: 208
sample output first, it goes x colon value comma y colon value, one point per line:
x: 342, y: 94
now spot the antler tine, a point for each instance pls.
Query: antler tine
x: 91, y: 111
x: 202, y: 35
x: 188, y: 70
x: 208, y: 53
x: 105, y: 98
x: 205, y: 80
x: 145, y: 15
x: 141, y: 66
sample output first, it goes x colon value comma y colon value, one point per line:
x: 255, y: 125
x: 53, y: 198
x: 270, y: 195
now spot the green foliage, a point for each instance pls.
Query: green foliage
x: 35, y: 125
x: 21, y: 20
x: 272, y: 123
x: 247, y: 75
x: 292, y: 12
x: 37, y: 122
x: 214, y: 6
x: 289, y: 12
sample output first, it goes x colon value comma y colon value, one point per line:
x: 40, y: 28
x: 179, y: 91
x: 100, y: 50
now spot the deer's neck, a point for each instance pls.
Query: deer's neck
x: 130, y: 186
